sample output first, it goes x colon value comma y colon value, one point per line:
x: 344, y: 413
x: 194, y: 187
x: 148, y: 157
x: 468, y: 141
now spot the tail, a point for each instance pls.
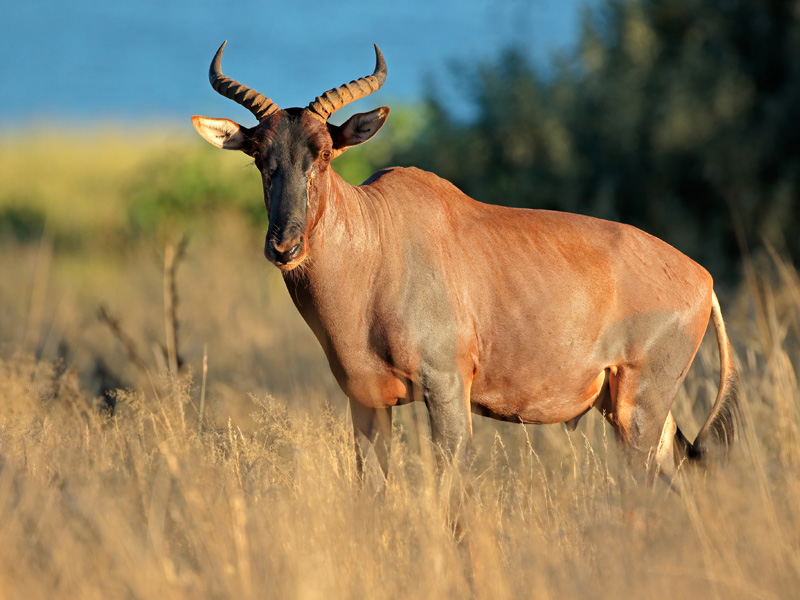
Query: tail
x: 717, y: 434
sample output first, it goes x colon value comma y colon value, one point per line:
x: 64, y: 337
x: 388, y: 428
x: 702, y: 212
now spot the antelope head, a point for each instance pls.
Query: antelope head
x: 292, y: 148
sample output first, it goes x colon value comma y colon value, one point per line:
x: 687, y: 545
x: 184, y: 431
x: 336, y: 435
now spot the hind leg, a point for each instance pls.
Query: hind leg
x: 670, y: 452
x: 643, y: 424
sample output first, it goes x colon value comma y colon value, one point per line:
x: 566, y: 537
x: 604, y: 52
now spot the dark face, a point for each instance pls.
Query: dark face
x: 290, y: 149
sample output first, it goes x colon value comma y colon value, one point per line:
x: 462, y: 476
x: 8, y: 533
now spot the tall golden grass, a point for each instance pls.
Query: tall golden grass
x: 263, y: 499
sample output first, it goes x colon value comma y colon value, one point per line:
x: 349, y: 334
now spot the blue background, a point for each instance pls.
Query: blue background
x: 86, y: 61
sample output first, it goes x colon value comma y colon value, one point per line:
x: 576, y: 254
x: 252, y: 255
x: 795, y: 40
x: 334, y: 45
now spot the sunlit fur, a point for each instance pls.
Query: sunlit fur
x: 419, y: 292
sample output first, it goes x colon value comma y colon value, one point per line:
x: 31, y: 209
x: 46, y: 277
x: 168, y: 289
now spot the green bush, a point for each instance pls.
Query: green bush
x: 184, y: 189
x: 21, y: 222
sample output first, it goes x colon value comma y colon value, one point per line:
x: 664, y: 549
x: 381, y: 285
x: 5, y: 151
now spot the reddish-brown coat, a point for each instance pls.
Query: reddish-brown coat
x: 539, y: 300
x: 417, y: 292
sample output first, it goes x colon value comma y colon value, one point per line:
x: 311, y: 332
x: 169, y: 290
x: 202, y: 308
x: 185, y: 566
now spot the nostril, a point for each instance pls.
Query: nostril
x: 278, y: 254
x: 273, y: 250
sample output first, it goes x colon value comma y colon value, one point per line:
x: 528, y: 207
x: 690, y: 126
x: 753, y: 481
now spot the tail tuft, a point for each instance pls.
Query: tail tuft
x: 717, y: 434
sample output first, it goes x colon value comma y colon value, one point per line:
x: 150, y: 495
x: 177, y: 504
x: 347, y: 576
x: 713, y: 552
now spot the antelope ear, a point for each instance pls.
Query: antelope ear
x: 358, y: 128
x: 223, y: 133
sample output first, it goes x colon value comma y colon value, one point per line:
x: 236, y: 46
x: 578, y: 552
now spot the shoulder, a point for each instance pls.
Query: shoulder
x: 405, y: 175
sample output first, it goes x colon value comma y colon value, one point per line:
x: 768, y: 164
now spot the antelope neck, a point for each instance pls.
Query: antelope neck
x: 343, y: 219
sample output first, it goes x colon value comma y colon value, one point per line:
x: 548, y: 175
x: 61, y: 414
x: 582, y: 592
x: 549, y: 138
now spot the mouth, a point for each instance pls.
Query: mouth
x: 292, y: 264
x: 280, y: 259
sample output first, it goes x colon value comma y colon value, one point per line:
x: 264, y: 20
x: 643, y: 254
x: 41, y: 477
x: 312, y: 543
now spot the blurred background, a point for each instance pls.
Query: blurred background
x: 677, y: 116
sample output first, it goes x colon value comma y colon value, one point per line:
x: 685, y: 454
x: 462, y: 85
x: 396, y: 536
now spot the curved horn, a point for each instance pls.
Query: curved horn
x: 256, y: 103
x: 334, y: 99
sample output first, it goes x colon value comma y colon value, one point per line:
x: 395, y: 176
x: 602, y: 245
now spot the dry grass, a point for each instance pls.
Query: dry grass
x: 264, y: 502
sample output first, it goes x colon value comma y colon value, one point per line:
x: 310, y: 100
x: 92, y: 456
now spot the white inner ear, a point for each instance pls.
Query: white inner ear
x: 222, y: 133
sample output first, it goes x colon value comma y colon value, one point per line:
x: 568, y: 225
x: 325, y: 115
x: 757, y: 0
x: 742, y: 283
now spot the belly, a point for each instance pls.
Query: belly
x: 517, y: 398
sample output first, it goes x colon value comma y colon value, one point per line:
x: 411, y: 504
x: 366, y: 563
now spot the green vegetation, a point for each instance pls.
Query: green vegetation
x: 21, y: 222
x: 114, y: 186
x: 177, y: 190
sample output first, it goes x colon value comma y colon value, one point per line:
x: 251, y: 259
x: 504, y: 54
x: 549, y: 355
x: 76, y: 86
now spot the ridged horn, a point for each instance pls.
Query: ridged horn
x: 334, y: 99
x: 255, y: 102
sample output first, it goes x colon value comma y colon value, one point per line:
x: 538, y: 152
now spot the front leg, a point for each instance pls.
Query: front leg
x: 372, y: 430
x: 446, y: 395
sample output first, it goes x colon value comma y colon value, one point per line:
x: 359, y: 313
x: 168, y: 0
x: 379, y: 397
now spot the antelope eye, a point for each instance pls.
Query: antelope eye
x: 326, y: 155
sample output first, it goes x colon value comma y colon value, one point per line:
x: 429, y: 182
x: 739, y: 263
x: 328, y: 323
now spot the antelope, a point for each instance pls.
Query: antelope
x: 417, y: 292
